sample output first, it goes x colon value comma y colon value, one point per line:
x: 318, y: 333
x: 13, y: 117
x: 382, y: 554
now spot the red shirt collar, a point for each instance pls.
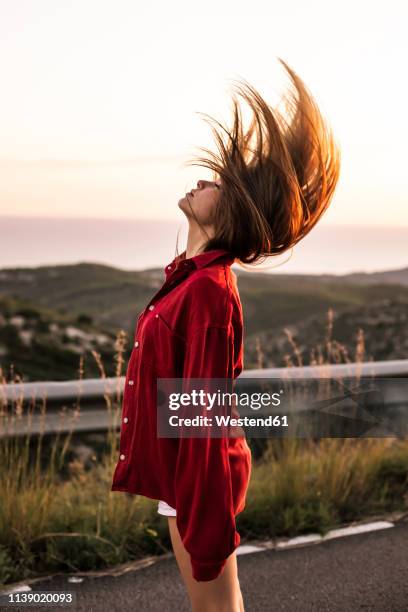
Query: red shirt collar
x: 201, y: 260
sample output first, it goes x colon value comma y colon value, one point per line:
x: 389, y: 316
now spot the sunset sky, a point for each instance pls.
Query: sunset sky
x: 99, y: 98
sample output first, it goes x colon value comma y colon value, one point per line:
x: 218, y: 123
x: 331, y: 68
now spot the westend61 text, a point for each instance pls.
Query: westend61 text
x: 227, y: 421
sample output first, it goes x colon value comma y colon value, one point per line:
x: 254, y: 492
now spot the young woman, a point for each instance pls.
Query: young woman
x: 272, y: 183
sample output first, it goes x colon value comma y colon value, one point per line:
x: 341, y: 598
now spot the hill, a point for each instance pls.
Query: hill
x: 100, y: 299
x: 37, y: 343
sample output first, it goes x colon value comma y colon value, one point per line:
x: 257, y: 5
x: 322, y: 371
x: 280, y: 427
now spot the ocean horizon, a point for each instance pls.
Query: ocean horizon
x: 137, y: 244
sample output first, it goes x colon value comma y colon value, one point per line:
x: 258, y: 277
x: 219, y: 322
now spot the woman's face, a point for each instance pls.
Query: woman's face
x: 199, y: 204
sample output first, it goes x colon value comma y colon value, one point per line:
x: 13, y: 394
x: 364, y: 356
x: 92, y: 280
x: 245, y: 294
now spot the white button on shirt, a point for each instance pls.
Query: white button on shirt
x: 137, y: 343
x: 131, y: 382
x: 151, y: 307
x: 122, y: 457
x: 125, y: 420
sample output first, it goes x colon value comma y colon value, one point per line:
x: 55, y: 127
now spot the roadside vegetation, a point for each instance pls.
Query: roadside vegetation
x: 57, y: 513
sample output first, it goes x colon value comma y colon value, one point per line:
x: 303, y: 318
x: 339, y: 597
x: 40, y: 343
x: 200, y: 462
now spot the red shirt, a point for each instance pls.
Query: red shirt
x: 191, y: 328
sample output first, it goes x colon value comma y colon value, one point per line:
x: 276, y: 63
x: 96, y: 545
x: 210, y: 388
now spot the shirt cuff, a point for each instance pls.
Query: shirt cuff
x: 204, y: 571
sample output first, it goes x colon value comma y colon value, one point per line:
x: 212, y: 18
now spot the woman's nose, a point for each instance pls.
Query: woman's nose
x: 200, y: 184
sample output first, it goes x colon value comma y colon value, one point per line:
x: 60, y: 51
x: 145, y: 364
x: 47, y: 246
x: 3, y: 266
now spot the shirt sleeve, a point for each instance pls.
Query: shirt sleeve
x: 205, y: 512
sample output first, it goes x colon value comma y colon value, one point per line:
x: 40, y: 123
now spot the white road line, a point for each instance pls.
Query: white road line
x: 21, y: 588
x: 246, y: 549
x: 313, y: 538
x: 309, y: 538
x: 354, y: 529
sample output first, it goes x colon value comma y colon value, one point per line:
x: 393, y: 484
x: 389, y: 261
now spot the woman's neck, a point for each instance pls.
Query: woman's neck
x: 195, y: 240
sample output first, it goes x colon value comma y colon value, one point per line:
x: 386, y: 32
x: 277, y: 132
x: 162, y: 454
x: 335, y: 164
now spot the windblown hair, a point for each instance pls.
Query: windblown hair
x: 278, y: 177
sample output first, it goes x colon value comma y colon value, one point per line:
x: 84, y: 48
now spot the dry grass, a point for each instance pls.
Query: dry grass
x: 55, y: 515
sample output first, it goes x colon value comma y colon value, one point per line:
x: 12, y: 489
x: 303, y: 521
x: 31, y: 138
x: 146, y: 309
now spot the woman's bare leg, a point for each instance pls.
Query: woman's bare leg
x: 220, y: 595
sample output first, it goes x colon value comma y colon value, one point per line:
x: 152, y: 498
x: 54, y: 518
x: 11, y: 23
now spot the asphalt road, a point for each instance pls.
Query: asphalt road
x: 366, y: 572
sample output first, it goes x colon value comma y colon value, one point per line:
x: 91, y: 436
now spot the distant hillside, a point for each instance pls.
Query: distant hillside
x: 99, y: 299
x: 114, y: 297
x: 376, y: 331
x: 110, y: 295
x: 40, y: 344
x: 389, y: 277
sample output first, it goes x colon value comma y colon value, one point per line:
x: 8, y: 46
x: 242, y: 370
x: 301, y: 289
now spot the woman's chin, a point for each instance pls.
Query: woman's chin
x: 182, y: 203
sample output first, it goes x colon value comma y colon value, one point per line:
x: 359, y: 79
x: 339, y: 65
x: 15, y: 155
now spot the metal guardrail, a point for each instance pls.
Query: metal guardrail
x: 94, y: 390
x: 97, y: 387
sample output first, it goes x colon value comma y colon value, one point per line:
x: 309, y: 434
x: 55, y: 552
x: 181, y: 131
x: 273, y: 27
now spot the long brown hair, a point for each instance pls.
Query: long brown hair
x: 278, y: 177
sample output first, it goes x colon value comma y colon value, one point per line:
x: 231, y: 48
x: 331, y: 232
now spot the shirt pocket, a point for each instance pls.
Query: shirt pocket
x: 169, y: 348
